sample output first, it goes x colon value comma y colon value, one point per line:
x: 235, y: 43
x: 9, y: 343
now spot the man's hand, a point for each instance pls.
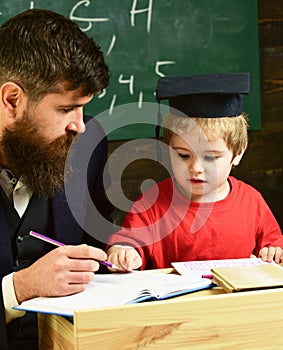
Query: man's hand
x: 63, y: 271
x: 125, y: 257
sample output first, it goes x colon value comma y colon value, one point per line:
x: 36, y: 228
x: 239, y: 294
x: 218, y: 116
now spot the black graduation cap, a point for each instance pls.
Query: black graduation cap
x: 204, y: 95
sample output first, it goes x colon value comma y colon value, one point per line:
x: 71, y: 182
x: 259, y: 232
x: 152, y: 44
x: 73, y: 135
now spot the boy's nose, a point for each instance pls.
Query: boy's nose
x: 195, y: 166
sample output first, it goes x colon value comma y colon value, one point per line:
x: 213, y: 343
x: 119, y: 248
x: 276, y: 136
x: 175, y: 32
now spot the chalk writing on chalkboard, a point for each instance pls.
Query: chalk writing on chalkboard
x: 146, y: 39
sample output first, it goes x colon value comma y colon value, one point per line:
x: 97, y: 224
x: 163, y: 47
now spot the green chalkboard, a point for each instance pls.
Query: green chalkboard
x: 145, y: 39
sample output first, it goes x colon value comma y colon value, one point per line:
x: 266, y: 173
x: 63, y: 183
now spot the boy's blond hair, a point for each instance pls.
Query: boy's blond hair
x: 233, y: 130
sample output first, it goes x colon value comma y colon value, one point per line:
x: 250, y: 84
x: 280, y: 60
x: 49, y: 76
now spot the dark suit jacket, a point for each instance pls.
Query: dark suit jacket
x: 66, y: 227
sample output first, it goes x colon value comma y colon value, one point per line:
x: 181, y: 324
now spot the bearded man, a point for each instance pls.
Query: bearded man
x: 49, y: 70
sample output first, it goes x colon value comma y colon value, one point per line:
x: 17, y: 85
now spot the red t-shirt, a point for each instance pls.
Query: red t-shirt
x: 164, y: 226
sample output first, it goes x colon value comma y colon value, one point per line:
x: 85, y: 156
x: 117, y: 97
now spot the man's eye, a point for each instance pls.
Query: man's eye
x: 67, y: 110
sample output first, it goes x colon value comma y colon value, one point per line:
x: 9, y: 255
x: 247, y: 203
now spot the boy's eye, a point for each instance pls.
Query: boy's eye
x: 184, y: 156
x: 210, y: 158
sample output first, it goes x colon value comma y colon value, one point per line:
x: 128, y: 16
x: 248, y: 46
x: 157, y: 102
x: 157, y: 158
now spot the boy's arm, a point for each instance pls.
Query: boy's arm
x: 125, y: 257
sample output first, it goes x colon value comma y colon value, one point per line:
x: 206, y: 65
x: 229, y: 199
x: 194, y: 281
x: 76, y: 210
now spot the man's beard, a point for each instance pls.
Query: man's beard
x: 40, y: 164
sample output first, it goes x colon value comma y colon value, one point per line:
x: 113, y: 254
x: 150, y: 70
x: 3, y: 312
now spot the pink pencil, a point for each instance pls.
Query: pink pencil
x: 59, y: 244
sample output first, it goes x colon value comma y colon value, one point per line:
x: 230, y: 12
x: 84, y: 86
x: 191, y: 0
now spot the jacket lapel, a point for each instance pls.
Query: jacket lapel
x: 66, y: 228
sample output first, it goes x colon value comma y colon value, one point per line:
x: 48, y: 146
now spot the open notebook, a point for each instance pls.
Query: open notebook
x: 118, y: 289
x: 197, y: 269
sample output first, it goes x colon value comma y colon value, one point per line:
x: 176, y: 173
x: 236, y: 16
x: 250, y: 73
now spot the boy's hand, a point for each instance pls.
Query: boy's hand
x: 269, y: 254
x: 125, y: 257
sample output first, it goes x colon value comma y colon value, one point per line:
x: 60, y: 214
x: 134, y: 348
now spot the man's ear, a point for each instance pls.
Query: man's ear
x: 237, y: 159
x: 12, y: 99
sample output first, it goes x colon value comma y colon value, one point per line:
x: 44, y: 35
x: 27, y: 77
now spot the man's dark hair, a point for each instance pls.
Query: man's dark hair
x: 43, y: 51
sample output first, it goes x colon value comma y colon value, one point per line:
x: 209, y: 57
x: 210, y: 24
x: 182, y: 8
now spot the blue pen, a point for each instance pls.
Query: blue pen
x: 59, y: 244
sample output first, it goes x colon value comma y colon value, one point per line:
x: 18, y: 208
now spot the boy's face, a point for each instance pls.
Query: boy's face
x: 200, y: 166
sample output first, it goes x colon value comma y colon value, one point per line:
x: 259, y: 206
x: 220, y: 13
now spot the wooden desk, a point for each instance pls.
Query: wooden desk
x: 209, y: 319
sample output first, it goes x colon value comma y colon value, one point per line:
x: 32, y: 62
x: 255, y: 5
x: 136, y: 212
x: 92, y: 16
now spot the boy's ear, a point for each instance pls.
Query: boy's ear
x: 237, y: 159
x: 12, y: 99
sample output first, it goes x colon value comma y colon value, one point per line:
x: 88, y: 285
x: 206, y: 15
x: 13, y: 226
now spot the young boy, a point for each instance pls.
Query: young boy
x: 202, y: 212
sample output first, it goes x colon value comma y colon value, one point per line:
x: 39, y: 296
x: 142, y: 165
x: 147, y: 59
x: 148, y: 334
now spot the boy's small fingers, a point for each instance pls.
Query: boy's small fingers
x: 270, y: 254
x: 263, y: 253
x: 278, y: 253
x: 131, y: 260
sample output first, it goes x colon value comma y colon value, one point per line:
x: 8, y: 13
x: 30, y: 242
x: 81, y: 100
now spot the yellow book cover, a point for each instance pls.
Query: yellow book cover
x: 243, y: 278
